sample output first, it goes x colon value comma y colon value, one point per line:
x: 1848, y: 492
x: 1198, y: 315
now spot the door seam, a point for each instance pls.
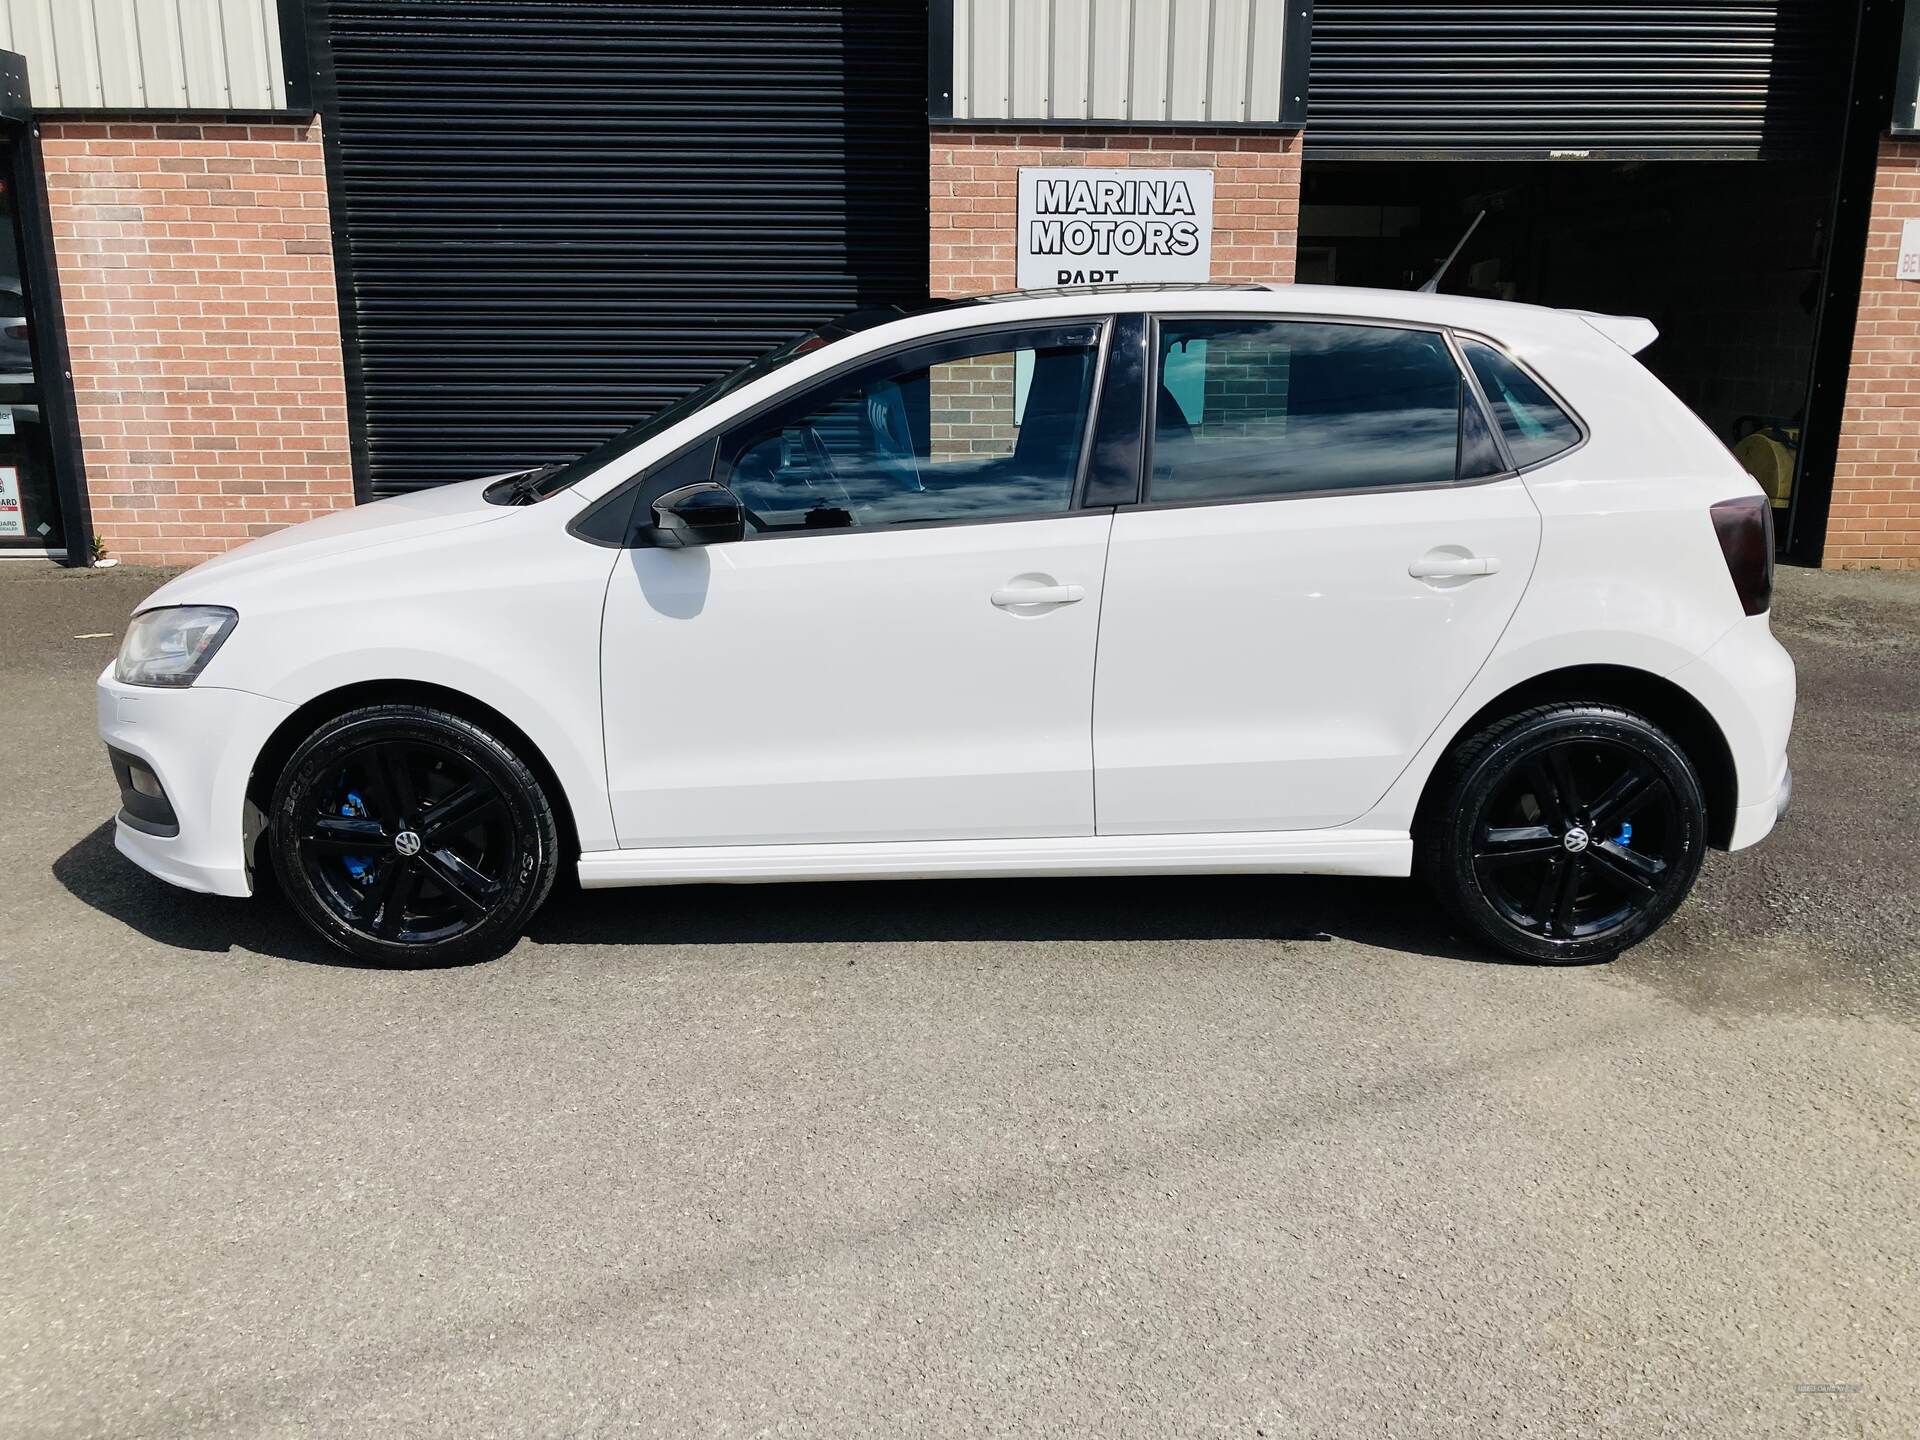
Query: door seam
x: 1453, y: 706
x: 1093, y: 690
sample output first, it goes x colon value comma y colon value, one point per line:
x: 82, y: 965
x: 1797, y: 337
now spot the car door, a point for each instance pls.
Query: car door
x: 900, y: 646
x: 1328, y: 547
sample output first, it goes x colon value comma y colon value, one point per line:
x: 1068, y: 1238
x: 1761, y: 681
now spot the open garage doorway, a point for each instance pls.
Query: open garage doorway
x: 1725, y: 257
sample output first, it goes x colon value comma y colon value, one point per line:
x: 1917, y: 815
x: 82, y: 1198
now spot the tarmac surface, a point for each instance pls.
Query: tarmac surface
x: 1169, y: 1157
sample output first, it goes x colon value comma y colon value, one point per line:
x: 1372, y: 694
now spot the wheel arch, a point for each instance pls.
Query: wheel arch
x: 302, y: 722
x: 1663, y: 702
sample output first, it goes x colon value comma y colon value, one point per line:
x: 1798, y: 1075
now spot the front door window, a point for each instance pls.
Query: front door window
x: 992, y: 432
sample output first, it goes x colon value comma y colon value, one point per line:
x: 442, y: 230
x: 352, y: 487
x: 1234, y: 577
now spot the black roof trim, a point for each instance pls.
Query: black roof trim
x: 855, y: 321
x: 1159, y: 287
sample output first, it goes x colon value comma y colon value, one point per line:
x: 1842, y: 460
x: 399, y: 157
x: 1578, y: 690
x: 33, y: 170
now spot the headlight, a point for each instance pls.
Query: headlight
x: 171, y: 646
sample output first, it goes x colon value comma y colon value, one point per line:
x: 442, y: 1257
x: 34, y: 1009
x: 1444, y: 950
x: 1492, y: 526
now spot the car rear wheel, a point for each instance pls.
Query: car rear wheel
x: 405, y: 835
x: 1565, y: 833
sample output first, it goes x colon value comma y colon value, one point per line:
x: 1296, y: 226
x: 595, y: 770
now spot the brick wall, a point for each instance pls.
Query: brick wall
x: 975, y: 175
x: 196, y: 273
x: 1244, y: 394
x: 972, y: 407
x: 1875, y: 519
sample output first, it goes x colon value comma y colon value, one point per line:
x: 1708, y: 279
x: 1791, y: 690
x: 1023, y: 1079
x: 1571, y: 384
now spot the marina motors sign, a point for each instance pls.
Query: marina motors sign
x: 1104, y: 227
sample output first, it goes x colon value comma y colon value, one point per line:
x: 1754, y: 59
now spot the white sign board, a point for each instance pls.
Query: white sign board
x: 13, y: 520
x: 1103, y: 227
x: 1909, y: 251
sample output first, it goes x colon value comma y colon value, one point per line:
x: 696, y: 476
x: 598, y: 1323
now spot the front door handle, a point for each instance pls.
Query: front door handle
x: 1442, y: 565
x: 1016, y: 597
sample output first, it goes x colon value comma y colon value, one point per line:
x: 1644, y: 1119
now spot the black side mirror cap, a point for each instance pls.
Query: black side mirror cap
x: 704, y: 513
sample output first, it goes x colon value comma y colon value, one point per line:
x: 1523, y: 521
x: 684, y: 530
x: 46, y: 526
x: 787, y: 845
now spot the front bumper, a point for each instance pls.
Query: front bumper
x: 199, y: 744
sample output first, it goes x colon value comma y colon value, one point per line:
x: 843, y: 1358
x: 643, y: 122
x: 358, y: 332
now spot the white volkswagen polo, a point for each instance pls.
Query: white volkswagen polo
x: 1178, y: 581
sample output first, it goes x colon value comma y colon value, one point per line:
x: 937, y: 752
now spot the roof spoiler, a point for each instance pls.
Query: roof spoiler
x: 1632, y: 333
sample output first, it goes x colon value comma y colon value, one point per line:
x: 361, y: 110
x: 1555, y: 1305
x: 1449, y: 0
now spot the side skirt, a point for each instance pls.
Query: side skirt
x: 1293, y: 852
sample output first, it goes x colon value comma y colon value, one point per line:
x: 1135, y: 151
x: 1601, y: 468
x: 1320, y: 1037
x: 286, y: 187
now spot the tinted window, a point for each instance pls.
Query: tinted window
x: 989, y: 434
x: 559, y: 476
x: 1535, y: 428
x: 1250, y: 408
x: 1479, y: 456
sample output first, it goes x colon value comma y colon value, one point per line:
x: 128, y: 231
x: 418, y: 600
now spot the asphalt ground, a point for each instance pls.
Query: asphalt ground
x: 1158, y: 1157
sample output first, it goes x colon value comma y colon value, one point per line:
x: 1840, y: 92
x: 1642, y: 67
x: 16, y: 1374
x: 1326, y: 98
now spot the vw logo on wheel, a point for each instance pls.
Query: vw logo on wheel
x: 1575, y: 840
x: 407, y: 843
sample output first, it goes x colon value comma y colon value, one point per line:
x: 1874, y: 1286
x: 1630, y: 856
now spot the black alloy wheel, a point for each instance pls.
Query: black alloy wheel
x: 1567, y: 833
x: 406, y: 835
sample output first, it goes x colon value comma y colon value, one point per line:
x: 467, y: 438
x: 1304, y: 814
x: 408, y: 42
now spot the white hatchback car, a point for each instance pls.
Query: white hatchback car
x: 1187, y: 580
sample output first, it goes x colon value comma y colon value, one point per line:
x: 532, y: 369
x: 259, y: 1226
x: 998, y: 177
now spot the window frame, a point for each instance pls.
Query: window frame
x: 1471, y: 394
x: 744, y: 431
x: 618, y: 510
x: 1460, y: 337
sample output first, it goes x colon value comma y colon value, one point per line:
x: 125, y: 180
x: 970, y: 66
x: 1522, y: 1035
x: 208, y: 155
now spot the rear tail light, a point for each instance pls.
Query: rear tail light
x: 1745, y: 528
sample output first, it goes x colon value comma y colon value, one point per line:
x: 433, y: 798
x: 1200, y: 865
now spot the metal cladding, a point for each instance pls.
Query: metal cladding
x: 1203, y: 62
x: 150, y: 55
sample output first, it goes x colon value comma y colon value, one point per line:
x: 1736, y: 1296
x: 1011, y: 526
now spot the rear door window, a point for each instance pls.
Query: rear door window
x: 1247, y: 408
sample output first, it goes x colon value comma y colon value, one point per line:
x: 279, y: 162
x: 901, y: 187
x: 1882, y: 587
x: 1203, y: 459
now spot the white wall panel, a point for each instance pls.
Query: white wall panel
x: 1265, y: 49
x: 1152, y: 21
x: 1110, y: 63
x: 1161, y: 61
x: 1189, y: 40
x: 116, y: 68
x: 1072, y: 26
x: 148, y: 54
x: 1230, y: 41
x: 1030, y: 58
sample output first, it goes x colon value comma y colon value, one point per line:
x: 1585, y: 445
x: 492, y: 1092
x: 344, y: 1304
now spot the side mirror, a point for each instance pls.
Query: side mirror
x: 700, y: 514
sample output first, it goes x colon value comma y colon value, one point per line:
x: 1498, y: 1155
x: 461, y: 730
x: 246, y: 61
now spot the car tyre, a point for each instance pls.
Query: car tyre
x: 1565, y: 833
x: 408, y: 836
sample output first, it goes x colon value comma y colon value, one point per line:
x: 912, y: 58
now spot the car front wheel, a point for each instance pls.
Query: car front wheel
x: 1565, y: 833
x: 405, y: 835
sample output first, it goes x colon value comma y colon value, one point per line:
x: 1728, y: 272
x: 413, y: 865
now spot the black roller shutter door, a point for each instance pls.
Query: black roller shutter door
x: 553, y: 218
x: 1615, y: 79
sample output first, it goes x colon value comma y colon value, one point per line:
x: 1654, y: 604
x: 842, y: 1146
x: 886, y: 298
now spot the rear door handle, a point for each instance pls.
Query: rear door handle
x: 1012, y: 597
x: 1442, y: 566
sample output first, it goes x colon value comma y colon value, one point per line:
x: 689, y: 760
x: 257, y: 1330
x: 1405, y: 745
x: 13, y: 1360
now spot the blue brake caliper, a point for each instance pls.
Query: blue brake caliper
x: 358, y: 866
x: 1625, y: 837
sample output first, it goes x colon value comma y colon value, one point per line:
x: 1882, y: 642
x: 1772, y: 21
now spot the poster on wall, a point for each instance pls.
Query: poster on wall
x: 1083, y: 226
x: 13, y: 520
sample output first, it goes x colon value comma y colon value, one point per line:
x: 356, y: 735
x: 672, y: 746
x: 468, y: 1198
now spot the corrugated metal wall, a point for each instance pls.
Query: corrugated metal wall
x: 1735, y: 78
x: 1158, y: 61
x: 560, y: 215
x: 148, y: 54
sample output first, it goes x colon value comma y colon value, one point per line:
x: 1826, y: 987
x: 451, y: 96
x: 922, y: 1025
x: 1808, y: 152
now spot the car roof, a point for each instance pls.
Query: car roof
x: 1134, y: 288
x: 1305, y: 299
x: 1507, y: 321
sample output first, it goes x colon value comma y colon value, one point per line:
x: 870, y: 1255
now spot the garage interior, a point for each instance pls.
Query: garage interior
x: 1692, y: 163
x: 1725, y: 257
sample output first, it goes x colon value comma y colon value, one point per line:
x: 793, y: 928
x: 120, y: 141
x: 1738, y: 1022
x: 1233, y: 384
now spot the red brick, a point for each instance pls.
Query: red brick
x: 1874, y: 519
x: 201, y: 319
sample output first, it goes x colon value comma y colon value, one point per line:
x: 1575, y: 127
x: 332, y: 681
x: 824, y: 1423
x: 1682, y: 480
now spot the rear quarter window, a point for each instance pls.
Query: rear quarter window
x: 1532, y: 423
